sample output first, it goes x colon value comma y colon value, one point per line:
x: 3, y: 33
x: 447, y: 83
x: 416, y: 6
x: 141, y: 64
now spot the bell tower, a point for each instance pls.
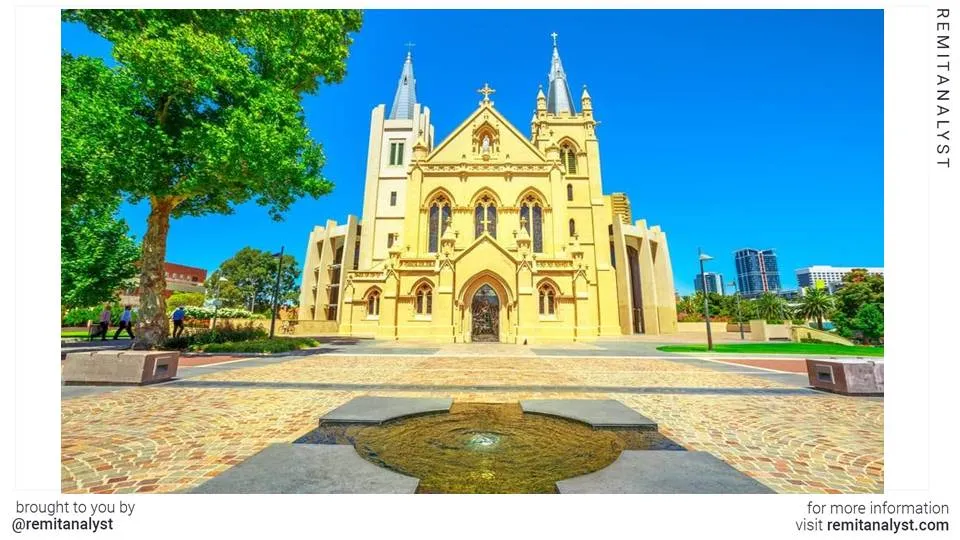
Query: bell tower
x: 393, y: 137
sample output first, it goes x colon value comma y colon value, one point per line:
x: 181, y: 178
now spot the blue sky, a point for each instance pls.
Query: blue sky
x: 729, y: 129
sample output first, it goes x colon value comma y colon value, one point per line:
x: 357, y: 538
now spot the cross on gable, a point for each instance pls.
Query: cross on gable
x: 486, y: 91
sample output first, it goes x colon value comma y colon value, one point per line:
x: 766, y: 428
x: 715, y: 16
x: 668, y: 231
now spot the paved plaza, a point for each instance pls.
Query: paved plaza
x: 760, y: 419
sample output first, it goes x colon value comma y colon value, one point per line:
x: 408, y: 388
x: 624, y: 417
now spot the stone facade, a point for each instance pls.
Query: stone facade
x: 489, y: 235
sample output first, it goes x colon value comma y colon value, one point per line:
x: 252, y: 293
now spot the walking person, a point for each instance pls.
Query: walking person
x: 104, y: 324
x: 178, y: 315
x: 126, y: 320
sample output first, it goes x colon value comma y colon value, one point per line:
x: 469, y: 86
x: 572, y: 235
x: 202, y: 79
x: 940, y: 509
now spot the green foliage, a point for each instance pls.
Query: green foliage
x: 80, y: 316
x: 251, y: 276
x: 858, y: 290
x: 772, y: 308
x: 222, y: 334
x: 869, y: 323
x: 816, y: 304
x: 201, y: 113
x: 208, y: 102
x: 722, y: 308
x: 97, y: 255
x: 204, y: 312
x: 779, y: 348
x: 275, y: 345
x: 184, y: 299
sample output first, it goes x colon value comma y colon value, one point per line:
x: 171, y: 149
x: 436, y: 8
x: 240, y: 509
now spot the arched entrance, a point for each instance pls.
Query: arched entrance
x: 485, y: 315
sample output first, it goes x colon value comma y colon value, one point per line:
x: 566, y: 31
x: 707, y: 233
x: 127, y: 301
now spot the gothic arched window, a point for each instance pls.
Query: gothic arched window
x: 439, y: 214
x: 568, y: 155
x: 569, y: 192
x: 485, y: 216
x: 573, y: 227
x: 373, y: 303
x: 548, y: 300
x: 424, y: 296
x: 531, y: 216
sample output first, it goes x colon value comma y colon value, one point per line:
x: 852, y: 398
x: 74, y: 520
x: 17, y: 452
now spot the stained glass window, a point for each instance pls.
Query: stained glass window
x: 434, y: 227
x: 478, y: 219
x: 537, y: 229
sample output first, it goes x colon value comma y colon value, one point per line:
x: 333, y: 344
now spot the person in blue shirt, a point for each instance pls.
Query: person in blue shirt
x: 126, y: 323
x: 178, y: 316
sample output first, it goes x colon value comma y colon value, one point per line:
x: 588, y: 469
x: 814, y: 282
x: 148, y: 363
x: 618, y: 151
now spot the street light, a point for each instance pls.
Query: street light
x: 276, y: 291
x: 739, y: 316
x: 216, y: 301
x: 706, y: 296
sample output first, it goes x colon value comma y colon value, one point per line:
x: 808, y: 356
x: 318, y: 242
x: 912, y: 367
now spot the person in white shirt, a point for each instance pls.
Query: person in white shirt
x: 126, y: 319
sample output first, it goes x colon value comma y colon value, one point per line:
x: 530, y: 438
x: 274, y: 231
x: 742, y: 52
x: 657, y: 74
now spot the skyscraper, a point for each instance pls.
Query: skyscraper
x: 757, y: 271
x: 714, y: 282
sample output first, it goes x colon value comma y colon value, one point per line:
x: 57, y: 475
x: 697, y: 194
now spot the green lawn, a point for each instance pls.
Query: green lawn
x: 779, y: 348
x: 73, y: 333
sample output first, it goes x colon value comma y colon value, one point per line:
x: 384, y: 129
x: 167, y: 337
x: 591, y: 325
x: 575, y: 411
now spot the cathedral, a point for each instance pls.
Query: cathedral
x: 489, y: 235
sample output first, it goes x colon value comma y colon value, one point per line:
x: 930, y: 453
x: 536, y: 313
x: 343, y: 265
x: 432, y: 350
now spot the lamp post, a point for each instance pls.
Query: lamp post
x: 706, y: 298
x: 739, y: 316
x: 216, y: 301
x: 276, y: 291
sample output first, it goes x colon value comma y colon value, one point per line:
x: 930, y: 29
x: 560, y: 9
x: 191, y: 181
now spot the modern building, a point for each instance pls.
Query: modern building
x: 490, y: 235
x: 757, y: 271
x: 829, y: 276
x: 179, y: 277
x: 714, y: 282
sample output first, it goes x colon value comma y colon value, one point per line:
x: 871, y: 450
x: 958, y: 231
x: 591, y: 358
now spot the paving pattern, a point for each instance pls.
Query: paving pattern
x: 174, y: 436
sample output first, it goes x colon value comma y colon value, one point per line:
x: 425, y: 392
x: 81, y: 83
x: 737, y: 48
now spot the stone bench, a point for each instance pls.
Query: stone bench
x: 308, y: 468
x: 654, y: 471
x: 120, y: 367
x: 849, y: 376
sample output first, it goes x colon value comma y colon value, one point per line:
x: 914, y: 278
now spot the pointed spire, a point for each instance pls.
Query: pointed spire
x: 585, y: 102
x: 406, y: 95
x: 559, y: 99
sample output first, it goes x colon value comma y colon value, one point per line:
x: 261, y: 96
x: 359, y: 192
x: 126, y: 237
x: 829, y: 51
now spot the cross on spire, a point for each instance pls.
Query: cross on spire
x: 554, y: 36
x: 486, y: 91
x: 409, y: 45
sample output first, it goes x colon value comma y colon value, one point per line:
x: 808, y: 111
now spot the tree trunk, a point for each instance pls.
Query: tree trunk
x: 152, y: 322
x: 819, y: 322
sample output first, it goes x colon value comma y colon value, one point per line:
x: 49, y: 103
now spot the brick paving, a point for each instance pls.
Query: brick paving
x: 790, y: 365
x: 172, y: 437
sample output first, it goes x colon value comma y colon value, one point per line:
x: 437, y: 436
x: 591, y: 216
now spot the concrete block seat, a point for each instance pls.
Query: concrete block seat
x: 120, y: 367
x: 597, y: 413
x: 377, y: 410
x: 850, y: 376
x: 308, y: 468
x: 655, y: 471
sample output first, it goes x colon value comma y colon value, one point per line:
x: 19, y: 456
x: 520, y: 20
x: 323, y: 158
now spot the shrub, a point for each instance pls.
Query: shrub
x: 80, y: 316
x: 222, y: 334
x: 204, y: 312
x: 275, y: 345
x: 184, y: 299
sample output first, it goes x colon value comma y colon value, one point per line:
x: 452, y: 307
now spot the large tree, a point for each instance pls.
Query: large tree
x: 209, y: 103
x: 251, y: 276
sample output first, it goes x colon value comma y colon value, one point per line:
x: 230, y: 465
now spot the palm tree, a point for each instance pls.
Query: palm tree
x: 772, y: 307
x: 816, y: 304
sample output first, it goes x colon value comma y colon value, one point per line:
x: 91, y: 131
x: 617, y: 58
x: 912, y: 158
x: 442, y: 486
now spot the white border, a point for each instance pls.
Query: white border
x: 920, y: 213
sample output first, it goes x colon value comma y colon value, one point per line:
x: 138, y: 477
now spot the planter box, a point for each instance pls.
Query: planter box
x: 846, y: 375
x: 120, y: 367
